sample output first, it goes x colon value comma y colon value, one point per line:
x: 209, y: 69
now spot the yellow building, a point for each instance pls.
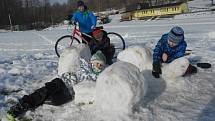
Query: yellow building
x: 161, y: 10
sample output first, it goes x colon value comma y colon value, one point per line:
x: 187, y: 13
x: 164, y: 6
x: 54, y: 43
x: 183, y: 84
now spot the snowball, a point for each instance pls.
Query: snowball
x: 38, y: 56
x: 120, y: 88
x: 137, y: 55
x: 176, y: 68
x: 69, y: 60
x: 84, y: 92
x: 15, y: 71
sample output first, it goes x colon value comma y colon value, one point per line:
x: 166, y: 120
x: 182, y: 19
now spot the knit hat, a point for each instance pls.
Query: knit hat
x: 176, y: 34
x: 98, y: 57
x: 96, y: 32
x: 80, y: 3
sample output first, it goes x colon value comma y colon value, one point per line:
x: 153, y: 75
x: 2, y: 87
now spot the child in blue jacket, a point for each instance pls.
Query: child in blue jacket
x: 170, y: 47
x: 85, y: 19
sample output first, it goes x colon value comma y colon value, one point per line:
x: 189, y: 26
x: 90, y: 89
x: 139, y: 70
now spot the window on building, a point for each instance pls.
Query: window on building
x: 177, y: 8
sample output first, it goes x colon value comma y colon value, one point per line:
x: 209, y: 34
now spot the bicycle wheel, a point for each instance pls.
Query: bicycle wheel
x: 64, y: 42
x: 118, y: 42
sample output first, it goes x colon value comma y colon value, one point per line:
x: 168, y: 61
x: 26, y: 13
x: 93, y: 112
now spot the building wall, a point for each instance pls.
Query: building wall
x: 182, y: 8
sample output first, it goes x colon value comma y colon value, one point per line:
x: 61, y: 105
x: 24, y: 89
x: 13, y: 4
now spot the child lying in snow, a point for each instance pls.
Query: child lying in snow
x: 59, y: 90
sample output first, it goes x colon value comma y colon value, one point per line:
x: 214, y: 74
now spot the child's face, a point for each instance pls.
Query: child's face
x: 99, y: 36
x: 171, y: 44
x: 81, y: 8
x: 98, y: 67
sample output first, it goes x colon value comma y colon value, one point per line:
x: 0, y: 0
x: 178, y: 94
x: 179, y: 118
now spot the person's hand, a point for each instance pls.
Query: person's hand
x: 155, y: 74
x: 156, y: 70
x: 164, y: 57
x: 72, y: 22
x: 69, y: 17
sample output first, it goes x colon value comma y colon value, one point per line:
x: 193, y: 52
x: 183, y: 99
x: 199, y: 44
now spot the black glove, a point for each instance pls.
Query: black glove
x: 156, y: 70
x: 69, y: 17
x: 155, y: 74
x: 72, y: 22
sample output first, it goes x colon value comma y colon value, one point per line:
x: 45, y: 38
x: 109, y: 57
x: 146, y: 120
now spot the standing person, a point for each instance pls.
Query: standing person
x: 59, y: 90
x: 170, y: 47
x: 86, y: 20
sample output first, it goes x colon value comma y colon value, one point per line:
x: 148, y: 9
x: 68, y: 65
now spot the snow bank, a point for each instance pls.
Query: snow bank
x: 137, y: 55
x: 120, y: 88
x: 176, y: 68
x: 70, y: 59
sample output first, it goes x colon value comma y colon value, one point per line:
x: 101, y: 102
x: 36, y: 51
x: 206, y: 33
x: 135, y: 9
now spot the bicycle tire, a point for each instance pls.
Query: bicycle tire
x: 66, y: 37
x: 114, y: 37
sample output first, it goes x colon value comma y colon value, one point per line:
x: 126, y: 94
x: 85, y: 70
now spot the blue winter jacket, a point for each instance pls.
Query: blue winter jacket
x: 85, y: 20
x: 163, y: 47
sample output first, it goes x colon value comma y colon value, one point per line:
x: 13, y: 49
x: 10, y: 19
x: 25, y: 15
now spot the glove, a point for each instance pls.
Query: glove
x: 155, y: 74
x: 69, y: 17
x: 157, y: 68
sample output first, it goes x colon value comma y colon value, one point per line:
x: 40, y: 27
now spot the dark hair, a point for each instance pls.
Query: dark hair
x: 85, y: 7
x: 80, y: 3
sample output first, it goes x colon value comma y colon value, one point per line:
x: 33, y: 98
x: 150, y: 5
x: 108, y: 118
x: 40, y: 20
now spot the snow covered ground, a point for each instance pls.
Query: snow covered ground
x: 28, y: 60
x: 200, y: 5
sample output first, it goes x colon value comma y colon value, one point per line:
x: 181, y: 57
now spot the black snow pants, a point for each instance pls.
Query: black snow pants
x: 54, y: 92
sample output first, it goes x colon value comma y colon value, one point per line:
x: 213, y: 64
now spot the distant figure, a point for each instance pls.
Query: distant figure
x: 170, y: 47
x: 85, y: 18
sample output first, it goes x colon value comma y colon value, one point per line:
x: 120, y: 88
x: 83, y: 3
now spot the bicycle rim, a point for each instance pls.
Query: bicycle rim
x: 118, y: 42
x: 65, y: 42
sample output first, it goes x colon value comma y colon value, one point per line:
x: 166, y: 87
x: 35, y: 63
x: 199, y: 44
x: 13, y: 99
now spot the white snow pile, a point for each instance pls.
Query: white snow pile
x: 15, y: 71
x: 69, y: 59
x: 176, y: 68
x: 85, y: 92
x: 141, y: 57
x: 137, y: 55
x: 119, y: 90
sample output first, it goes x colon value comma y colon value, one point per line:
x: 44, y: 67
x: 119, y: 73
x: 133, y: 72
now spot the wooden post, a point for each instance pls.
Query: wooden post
x: 11, y: 26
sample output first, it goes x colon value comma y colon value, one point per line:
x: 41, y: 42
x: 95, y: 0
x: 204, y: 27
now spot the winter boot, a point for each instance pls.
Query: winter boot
x: 10, y: 117
x: 16, y: 111
x: 190, y: 70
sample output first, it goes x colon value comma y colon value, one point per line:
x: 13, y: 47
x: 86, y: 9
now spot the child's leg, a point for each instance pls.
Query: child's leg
x: 38, y: 97
x: 62, y: 95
